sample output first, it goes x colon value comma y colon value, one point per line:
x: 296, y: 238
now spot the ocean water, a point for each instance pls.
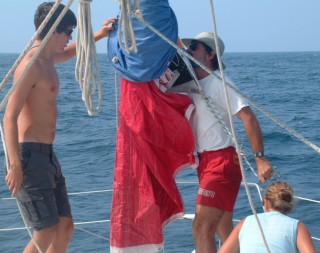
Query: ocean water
x: 285, y: 84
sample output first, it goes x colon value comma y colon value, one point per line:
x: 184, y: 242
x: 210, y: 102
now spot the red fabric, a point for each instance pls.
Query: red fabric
x: 220, y: 178
x: 154, y: 140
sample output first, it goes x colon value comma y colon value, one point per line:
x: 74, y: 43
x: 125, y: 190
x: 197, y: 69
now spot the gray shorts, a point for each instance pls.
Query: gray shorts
x: 43, y: 195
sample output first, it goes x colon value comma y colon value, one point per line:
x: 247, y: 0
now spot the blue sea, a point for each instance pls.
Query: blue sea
x: 287, y: 85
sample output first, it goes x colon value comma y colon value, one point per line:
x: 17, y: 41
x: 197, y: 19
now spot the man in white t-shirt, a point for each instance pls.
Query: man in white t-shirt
x: 219, y: 171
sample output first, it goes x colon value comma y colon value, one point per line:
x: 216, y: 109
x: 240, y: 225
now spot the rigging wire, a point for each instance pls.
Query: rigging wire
x: 256, y: 105
x: 198, y: 90
x: 244, y: 178
x: 23, y: 54
x: 185, y: 217
x: 279, y: 122
x: 312, y: 145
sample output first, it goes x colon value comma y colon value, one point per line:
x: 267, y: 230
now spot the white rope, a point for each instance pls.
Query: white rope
x: 86, y: 70
x: 24, y: 52
x: 76, y: 224
x: 244, y: 178
x: 183, y: 54
x: 217, y: 115
x: 213, y: 109
x: 224, y: 82
x: 89, y: 192
x: 313, y: 146
x: 185, y: 217
x: 93, y: 234
x: 25, y: 222
x: 258, y: 107
x: 125, y: 25
x: 209, y: 71
x: 200, y: 91
x: 19, y: 80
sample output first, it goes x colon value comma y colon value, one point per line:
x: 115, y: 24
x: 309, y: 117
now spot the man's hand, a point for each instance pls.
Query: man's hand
x: 14, y: 179
x: 107, y: 26
x: 265, y: 169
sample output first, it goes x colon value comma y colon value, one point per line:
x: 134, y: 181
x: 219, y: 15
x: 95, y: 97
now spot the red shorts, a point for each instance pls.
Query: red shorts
x: 219, y: 178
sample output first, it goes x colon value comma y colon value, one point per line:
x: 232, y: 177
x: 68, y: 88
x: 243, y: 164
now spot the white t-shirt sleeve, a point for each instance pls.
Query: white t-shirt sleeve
x: 235, y: 100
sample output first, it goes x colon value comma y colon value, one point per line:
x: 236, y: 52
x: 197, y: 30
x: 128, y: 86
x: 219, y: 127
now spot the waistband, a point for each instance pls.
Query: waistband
x: 36, y: 146
x: 219, y: 151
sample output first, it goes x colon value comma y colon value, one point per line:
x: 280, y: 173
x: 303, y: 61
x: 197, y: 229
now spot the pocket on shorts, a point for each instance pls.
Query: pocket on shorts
x: 25, y: 157
x: 33, y: 206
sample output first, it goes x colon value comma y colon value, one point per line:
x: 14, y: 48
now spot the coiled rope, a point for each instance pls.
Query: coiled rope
x: 125, y: 24
x: 86, y: 70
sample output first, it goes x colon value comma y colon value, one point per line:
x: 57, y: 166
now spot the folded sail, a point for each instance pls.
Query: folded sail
x: 154, y: 141
x: 154, y: 54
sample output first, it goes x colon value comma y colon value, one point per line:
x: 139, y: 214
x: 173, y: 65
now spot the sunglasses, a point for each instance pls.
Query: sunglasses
x: 67, y: 32
x: 193, y: 46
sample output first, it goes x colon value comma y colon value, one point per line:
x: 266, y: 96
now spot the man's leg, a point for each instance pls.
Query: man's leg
x: 205, y: 226
x: 63, y: 234
x: 225, y: 226
x: 53, y: 240
x: 43, y: 238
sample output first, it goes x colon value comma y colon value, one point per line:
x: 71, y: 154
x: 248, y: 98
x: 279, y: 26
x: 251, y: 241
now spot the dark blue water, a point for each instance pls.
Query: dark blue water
x: 285, y: 84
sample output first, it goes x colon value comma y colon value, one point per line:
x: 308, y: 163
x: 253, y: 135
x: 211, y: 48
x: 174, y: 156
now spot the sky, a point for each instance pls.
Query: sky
x: 243, y: 25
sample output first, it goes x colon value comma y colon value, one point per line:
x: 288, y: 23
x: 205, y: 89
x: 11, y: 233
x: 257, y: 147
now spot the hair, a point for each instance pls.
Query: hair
x: 214, y: 61
x: 280, y: 195
x: 42, y: 11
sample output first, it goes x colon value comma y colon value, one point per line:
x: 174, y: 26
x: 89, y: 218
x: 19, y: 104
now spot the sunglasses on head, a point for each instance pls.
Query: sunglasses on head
x: 68, y: 32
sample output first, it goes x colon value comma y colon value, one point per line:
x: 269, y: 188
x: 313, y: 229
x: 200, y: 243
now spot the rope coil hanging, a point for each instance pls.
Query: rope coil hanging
x: 86, y: 70
x: 125, y: 25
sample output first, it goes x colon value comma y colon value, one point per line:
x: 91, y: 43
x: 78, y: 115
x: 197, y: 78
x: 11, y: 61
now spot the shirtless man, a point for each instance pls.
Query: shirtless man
x: 35, y: 176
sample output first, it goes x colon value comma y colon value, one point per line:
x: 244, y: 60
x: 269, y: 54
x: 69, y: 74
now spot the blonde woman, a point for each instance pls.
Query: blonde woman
x: 283, y: 234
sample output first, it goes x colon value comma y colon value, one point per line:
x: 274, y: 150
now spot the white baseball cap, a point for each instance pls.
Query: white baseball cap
x: 208, y: 39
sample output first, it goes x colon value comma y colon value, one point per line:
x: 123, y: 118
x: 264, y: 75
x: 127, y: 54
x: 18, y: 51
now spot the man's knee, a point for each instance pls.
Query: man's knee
x: 67, y: 227
x: 202, y: 227
x: 207, y: 220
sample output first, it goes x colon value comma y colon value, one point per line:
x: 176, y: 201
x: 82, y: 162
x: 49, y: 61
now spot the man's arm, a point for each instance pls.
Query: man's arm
x: 253, y: 131
x: 15, y: 103
x: 70, y: 50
